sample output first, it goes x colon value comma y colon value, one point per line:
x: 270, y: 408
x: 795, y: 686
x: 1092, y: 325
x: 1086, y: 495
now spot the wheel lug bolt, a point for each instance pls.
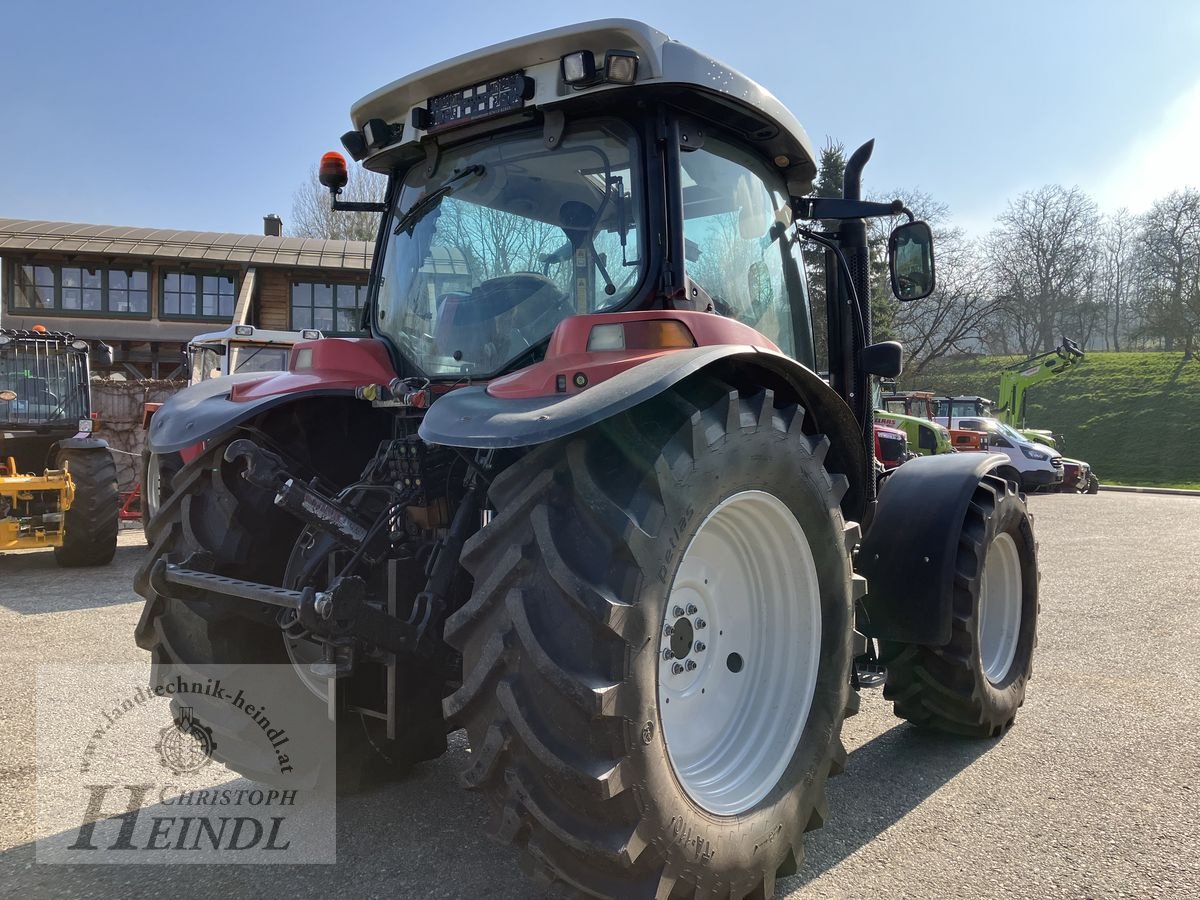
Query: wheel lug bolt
x: 700, y: 623
x: 668, y: 630
x: 677, y: 611
x: 691, y: 609
x: 699, y: 646
x: 677, y: 668
x: 691, y: 665
x: 667, y: 654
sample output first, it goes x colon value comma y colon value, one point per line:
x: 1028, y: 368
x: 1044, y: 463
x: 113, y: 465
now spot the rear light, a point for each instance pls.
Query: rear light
x: 86, y: 426
x: 650, y: 334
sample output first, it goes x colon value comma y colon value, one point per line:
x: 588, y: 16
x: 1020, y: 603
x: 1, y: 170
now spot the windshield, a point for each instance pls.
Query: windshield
x: 505, y: 240
x: 259, y: 358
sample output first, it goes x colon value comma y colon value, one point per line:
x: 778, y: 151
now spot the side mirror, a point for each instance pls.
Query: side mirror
x: 885, y: 359
x: 910, y: 260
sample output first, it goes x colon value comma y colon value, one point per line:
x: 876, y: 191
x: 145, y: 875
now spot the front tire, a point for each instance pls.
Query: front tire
x: 90, y: 525
x: 598, y: 542
x: 974, y: 685
x: 1093, y: 484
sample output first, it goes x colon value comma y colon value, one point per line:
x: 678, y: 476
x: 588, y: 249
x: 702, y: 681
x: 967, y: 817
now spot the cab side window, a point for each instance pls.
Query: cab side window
x: 736, y: 216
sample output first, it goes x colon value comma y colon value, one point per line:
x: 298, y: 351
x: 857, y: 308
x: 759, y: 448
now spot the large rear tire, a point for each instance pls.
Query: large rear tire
x: 974, y: 685
x: 690, y: 553
x: 215, y: 518
x: 90, y: 525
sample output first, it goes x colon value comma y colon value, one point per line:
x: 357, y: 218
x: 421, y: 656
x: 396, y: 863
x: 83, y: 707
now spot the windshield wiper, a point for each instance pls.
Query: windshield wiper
x: 422, y: 207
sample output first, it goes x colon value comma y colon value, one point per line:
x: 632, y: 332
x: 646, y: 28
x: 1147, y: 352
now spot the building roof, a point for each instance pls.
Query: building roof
x: 31, y: 235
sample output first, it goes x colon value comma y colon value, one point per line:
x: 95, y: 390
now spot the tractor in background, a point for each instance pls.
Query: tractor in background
x: 921, y: 405
x: 58, y: 481
x: 583, y: 492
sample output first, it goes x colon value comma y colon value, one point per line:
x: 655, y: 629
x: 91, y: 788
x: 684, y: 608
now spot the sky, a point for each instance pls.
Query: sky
x: 209, y: 115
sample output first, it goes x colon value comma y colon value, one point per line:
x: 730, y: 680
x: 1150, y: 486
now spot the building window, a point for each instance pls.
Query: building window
x: 197, y: 295
x: 333, y: 308
x: 74, y: 290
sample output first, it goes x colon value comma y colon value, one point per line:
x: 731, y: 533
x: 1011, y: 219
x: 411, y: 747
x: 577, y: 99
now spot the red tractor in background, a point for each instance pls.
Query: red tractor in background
x: 583, y: 492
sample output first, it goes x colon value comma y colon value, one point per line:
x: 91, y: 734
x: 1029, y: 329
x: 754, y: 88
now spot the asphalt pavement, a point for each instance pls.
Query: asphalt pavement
x: 1094, y: 793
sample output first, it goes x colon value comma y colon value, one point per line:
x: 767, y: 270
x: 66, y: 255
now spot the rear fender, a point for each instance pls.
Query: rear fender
x: 908, y: 555
x: 326, y: 368
x: 474, y: 418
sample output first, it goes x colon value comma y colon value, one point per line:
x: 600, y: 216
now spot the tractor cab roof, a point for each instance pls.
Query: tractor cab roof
x: 519, y: 76
x: 255, y: 335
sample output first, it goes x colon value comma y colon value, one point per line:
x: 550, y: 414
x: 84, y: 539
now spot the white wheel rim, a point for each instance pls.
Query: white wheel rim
x: 150, y: 490
x: 1000, y: 608
x: 746, y: 590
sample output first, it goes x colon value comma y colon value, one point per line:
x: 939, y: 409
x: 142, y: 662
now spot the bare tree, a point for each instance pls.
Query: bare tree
x: 313, y: 217
x: 956, y: 317
x: 1169, y: 274
x: 1043, y: 257
x: 1117, y: 276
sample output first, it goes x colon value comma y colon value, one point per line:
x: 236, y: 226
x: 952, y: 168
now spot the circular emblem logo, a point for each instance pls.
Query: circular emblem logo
x: 185, y: 746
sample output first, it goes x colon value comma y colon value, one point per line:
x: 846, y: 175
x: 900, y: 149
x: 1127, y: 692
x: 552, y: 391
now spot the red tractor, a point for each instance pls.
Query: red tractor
x: 583, y: 492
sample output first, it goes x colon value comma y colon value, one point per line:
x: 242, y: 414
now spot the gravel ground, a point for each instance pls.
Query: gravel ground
x: 1094, y: 792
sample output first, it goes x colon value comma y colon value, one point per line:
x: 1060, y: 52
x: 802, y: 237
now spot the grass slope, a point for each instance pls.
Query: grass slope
x: 1134, y: 416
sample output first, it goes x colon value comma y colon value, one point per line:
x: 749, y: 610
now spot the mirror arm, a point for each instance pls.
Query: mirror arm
x: 837, y: 208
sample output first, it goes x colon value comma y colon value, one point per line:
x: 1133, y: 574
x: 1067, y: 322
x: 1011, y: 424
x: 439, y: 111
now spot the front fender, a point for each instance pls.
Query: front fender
x: 908, y: 555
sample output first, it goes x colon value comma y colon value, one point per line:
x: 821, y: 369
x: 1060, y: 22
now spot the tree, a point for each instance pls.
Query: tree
x: 1117, y: 276
x: 831, y: 172
x: 313, y: 217
x: 953, y: 319
x: 1043, y: 257
x: 1169, y: 273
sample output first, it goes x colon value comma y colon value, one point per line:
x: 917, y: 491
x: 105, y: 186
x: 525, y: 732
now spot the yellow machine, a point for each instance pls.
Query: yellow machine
x: 33, y: 507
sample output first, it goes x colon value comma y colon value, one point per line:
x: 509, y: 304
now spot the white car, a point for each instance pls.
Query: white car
x: 1039, y: 467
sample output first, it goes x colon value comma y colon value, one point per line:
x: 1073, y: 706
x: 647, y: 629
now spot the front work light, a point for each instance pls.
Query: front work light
x: 620, y: 66
x: 243, y: 330
x: 79, y: 345
x: 579, y: 68
x: 310, y: 334
x: 652, y: 334
x: 86, y: 426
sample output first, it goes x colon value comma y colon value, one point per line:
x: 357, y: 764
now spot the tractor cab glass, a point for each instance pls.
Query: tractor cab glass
x: 509, y: 236
x: 736, y: 213
x: 48, y: 381
x: 205, y: 362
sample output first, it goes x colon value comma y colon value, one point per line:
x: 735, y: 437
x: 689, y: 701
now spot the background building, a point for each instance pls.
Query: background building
x: 147, y: 291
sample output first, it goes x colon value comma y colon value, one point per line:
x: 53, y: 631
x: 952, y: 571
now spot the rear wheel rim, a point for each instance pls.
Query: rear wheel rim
x: 150, y: 490
x: 738, y: 653
x: 1000, y: 595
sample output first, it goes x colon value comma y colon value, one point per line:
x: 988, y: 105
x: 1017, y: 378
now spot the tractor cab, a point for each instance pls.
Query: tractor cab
x: 242, y: 348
